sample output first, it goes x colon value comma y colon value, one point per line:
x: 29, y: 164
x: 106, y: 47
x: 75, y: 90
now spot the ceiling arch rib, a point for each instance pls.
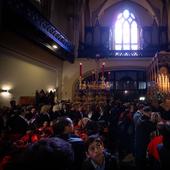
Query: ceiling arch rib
x: 108, y: 3
x: 95, y: 13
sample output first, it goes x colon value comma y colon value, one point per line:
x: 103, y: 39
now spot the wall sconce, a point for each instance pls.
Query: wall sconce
x: 4, y: 91
x: 52, y: 89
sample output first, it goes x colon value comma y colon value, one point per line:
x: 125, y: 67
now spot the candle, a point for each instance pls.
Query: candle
x: 166, y: 83
x: 80, y: 70
x: 93, y: 76
x: 162, y: 81
x: 103, y: 69
x: 159, y: 82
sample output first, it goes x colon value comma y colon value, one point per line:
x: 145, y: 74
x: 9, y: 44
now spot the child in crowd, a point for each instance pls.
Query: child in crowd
x: 97, y: 158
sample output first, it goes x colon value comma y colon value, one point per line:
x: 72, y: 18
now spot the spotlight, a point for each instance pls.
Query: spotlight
x: 142, y: 98
x: 55, y: 46
x: 126, y: 92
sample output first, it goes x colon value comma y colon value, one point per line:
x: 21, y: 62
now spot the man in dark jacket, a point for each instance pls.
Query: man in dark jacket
x: 63, y: 128
x: 138, y: 114
x: 97, y: 159
x: 144, y: 127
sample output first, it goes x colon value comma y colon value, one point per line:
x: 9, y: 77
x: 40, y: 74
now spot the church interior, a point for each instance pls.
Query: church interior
x: 42, y: 47
x: 94, y: 61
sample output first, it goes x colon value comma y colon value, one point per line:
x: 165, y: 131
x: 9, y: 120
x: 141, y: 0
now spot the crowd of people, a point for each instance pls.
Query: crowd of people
x: 72, y: 136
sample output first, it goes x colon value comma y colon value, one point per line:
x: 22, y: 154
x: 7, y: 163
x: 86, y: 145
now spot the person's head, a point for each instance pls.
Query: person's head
x: 161, y: 127
x: 45, y: 109
x: 140, y: 106
x: 94, y: 148
x: 47, y: 154
x: 83, y: 122
x: 63, y: 125
x: 45, y: 124
x: 13, y: 103
x: 33, y: 110
x: 147, y: 111
x: 155, y: 117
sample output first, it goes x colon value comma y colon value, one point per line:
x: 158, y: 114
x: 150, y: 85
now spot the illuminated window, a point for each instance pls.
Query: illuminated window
x: 142, y: 85
x: 126, y: 32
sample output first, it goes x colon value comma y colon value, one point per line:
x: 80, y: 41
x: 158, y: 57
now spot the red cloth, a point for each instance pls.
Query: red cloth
x: 152, y: 147
x: 34, y: 138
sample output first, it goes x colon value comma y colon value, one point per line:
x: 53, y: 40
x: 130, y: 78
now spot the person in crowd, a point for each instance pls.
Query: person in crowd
x: 113, y: 119
x: 81, y: 128
x: 43, y: 115
x: 165, y: 109
x: 31, y: 117
x: 152, y: 149
x: 13, y: 105
x: 47, y: 154
x: 45, y: 130
x: 50, y: 97
x: 76, y: 114
x: 17, y: 122
x: 64, y: 128
x: 144, y: 128
x: 164, y: 148
x: 55, y: 111
x: 97, y: 158
x: 42, y: 98
x: 138, y: 114
x: 125, y: 133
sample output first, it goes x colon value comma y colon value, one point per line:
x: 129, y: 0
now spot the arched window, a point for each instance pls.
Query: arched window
x: 126, y: 32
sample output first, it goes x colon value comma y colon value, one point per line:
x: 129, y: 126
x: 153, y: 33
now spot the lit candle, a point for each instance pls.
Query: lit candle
x: 162, y: 80
x: 80, y: 70
x: 159, y: 82
x: 103, y: 69
x: 93, y: 76
x: 166, y: 84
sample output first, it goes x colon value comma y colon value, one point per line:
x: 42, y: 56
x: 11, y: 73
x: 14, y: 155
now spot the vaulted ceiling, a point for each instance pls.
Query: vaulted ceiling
x: 154, y: 7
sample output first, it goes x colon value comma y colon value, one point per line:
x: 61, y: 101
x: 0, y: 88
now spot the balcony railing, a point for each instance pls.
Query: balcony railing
x: 29, y: 13
x: 91, y: 53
